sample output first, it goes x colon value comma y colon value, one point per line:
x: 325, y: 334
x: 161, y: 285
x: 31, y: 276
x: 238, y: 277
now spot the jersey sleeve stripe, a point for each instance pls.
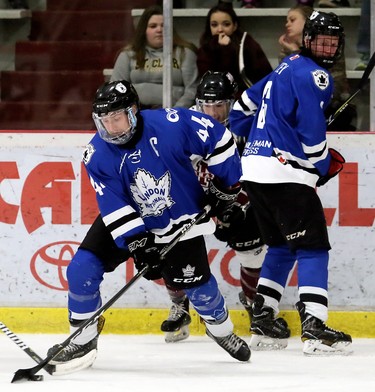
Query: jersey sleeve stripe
x: 224, y: 149
x: 115, y: 215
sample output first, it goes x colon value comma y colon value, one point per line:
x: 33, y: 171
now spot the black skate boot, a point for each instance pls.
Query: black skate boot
x: 233, y: 345
x: 176, y: 327
x: 246, y: 304
x: 319, y: 339
x: 268, y: 333
x: 74, y: 356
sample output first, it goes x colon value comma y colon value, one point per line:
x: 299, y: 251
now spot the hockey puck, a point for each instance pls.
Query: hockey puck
x: 36, y: 377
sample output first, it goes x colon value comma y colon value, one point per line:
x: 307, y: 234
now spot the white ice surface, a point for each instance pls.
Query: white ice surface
x: 145, y: 363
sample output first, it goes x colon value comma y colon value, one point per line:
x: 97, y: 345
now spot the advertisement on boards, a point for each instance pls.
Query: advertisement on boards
x: 47, y: 205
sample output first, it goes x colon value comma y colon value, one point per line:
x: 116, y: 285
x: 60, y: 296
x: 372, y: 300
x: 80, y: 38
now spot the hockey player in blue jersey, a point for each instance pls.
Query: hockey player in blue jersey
x: 140, y: 165
x: 285, y: 157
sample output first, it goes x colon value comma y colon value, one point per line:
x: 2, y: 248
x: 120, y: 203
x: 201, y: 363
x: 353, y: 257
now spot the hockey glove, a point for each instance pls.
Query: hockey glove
x: 237, y: 210
x: 227, y: 226
x: 142, y: 248
x: 336, y: 165
x: 242, y: 233
x: 221, y: 199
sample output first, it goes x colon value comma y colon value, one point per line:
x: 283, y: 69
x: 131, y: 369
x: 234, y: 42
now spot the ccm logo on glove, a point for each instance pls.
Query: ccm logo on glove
x: 137, y: 244
x: 145, y: 253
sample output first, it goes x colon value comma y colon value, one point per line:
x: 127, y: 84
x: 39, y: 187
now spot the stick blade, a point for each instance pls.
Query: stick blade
x: 26, y: 375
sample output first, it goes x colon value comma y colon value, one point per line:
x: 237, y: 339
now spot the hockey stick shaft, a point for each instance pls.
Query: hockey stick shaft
x: 27, y: 374
x: 241, y: 61
x: 367, y: 72
x: 184, y: 230
x: 362, y: 83
x: 30, y: 352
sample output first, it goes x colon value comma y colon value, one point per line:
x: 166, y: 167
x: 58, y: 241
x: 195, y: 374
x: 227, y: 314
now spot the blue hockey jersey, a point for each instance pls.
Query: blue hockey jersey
x: 283, y: 117
x: 152, y: 185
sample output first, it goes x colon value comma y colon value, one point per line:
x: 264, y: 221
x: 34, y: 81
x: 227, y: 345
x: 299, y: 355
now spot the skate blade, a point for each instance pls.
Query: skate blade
x: 265, y: 343
x: 317, y: 347
x: 75, y: 364
x: 176, y: 336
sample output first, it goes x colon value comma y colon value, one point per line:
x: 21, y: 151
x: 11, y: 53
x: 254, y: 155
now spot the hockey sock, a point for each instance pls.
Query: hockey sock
x: 274, y: 274
x: 176, y: 295
x: 249, y: 280
x: 313, y: 281
x: 210, y: 305
x: 85, y: 274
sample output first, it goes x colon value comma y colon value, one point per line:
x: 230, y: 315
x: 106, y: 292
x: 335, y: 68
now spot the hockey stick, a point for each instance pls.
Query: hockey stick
x: 362, y: 83
x: 30, y: 374
x: 31, y: 353
x: 241, y: 61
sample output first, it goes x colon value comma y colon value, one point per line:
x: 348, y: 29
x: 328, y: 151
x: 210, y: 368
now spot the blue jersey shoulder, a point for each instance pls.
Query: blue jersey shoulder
x: 307, y: 76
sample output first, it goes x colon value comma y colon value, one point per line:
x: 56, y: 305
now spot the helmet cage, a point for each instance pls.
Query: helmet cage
x: 111, y: 99
x: 216, y: 92
x: 327, y: 24
x: 119, y: 137
x: 222, y: 107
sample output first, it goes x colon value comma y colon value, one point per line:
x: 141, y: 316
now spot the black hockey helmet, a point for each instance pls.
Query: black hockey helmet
x: 323, y: 23
x: 215, y: 86
x: 113, y: 101
x: 216, y: 89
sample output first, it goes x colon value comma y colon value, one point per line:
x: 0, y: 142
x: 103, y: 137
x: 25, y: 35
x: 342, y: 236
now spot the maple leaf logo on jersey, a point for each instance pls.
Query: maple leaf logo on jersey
x: 88, y: 153
x: 151, y: 194
x: 321, y: 79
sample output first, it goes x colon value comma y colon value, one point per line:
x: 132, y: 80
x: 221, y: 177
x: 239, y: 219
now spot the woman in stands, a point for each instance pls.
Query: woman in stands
x: 220, y: 48
x: 141, y: 63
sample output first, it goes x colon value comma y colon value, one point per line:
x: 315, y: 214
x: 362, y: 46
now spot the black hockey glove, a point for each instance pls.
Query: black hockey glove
x: 230, y: 220
x: 221, y: 198
x: 336, y: 165
x: 241, y: 232
x: 142, y: 248
x: 237, y: 210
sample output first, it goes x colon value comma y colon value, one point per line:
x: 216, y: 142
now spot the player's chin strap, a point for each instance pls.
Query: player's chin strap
x: 30, y: 374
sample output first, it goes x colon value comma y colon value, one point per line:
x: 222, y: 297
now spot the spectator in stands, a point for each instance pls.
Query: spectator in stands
x: 141, y: 63
x: 333, y: 3
x: 291, y: 42
x: 198, y: 3
x: 221, y: 49
x: 310, y: 3
x: 363, y: 42
x: 18, y: 4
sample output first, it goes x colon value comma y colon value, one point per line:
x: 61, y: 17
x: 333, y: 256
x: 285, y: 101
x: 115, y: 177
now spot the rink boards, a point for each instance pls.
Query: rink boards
x: 47, y: 205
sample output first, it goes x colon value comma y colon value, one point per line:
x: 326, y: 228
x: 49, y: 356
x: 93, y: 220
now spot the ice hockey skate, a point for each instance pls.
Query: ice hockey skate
x: 233, y: 345
x: 319, y: 339
x: 246, y: 304
x: 268, y: 332
x: 75, y: 357
x: 176, y: 327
